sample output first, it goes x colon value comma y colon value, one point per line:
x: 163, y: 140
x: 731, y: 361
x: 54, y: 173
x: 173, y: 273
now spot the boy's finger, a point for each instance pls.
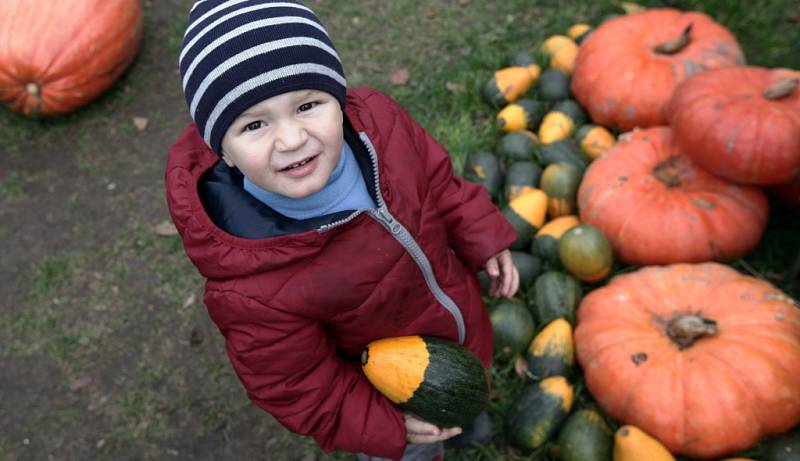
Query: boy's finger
x: 420, y: 427
x: 491, y: 268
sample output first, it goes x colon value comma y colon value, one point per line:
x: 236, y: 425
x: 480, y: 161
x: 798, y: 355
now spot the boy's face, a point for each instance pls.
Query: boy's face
x: 288, y: 144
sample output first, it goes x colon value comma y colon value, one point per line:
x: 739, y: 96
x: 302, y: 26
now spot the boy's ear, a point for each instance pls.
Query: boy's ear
x: 227, y: 160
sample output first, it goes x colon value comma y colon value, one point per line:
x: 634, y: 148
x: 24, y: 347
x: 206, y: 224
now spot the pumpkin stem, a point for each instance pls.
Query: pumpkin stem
x: 32, y: 89
x: 676, y: 44
x: 684, y: 330
x: 781, y: 89
x: 667, y: 173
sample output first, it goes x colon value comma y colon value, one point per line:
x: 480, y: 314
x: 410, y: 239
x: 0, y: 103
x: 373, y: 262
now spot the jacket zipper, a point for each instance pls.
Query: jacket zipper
x: 404, y: 237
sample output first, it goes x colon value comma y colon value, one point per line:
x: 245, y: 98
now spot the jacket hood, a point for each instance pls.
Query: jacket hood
x: 218, y: 253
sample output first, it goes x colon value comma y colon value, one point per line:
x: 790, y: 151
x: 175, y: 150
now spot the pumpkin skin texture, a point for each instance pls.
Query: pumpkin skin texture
x: 728, y: 123
x: 656, y: 207
x: 56, y: 57
x: 624, y: 83
x: 683, y: 350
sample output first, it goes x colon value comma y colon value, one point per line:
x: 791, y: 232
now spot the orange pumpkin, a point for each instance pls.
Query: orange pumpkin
x: 58, y: 56
x: 627, y: 69
x: 701, y: 357
x: 656, y: 207
x: 741, y: 123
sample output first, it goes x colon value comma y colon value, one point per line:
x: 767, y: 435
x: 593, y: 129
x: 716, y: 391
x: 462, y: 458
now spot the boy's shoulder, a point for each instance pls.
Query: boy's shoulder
x: 369, y: 103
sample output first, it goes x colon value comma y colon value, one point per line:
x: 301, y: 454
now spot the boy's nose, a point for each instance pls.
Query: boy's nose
x: 291, y: 136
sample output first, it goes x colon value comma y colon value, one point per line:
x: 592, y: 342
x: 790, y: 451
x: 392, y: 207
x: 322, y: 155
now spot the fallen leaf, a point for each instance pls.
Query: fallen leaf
x: 464, y: 2
x: 141, y: 122
x: 400, y: 76
x: 80, y: 383
x: 356, y: 20
x: 630, y: 7
x: 195, y: 337
x: 455, y: 87
x: 166, y: 229
x: 190, y: 300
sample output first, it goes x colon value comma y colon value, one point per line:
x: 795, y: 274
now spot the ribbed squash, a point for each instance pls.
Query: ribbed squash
x: 585, y: 437
x: 560, y: 181
x: 484, y: 169
x: 437, y: 380
x: 545, y: 242
x: 526, y: 213
x: 579, y: 32
x: 518, y: 146
x: 586, y: 253
x: 552, y: 44
x: 551, y: 353
x: 594, y: 140
x: 554, y: 295
x: 561, y: 121
x: 509, y: 84
x: 565, y: 150
x: 538, y: 412
x: 57, y: 56
x: 553, y: 85
x: 525, y: 114
x: 564, y: 59
x: 633, y: 444
x: 521, y: 176
x: 513, y: 327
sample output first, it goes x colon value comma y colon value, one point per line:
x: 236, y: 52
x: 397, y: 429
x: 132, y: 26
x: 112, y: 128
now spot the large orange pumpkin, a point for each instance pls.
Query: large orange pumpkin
x: 741, y: 123
x: 703, y: 358
x: 627, y: 69
x: 56, y: 56
x: 656, y: 207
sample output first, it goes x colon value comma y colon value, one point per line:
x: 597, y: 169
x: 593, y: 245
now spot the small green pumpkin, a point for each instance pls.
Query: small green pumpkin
x: 585, y: 436
x: 526, y: 214
x: 785, y: 447
x: 518, y: 146
x: 552, y: 351
x: 565, y: 150
x: 509, y: 84
x: 483, y: 168
x: 525, y: 114
x: 586, y: 253
x: 561, y: 122
x: 595, y: 140
x: 554, y: 295
x: 512, y: 328
x: 538, y: 412
x: 545, y: 242
x: 560, y: 181
x: 520, y: 176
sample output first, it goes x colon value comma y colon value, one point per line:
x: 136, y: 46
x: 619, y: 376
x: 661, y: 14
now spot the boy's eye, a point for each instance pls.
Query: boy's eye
x: 253, y: 126
x: 306, y: 106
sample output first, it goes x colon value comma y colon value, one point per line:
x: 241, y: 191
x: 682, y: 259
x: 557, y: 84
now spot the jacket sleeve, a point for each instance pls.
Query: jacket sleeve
x: 476, y: 229
x: 289, y: 367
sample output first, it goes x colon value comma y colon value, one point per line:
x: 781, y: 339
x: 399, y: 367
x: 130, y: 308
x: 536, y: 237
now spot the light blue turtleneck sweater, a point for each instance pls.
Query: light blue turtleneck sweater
x: 345, y: 190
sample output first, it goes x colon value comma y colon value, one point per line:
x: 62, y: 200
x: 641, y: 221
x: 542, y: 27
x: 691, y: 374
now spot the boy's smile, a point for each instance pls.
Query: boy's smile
x: 288, y: 144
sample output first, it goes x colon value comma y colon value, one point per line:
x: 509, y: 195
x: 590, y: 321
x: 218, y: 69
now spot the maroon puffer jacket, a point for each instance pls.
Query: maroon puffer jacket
x: 297, y: 310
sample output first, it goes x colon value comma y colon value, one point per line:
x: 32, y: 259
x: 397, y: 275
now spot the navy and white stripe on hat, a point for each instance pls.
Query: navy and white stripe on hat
x: 236, y: 53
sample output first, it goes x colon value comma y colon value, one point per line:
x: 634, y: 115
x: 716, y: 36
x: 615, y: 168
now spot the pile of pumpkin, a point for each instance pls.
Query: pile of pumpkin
x: 645, y: 140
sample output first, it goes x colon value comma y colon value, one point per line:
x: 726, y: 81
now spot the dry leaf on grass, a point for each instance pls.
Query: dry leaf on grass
x: 141, y: 122
x: 455, y: 87
x: 400, y: 76
x: 166, y: 229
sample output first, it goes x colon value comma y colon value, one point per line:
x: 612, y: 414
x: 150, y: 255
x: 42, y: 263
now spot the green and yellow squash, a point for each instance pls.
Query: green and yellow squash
x: 528, y: 266
x: 585, y: 436
x: 518, y: 146
x: 560, y: 181
x: 633, y: 444
x: 545, y: 242
x: 784, y: 447
x: 594, y: 140
x: 586, y: 253
x: 564, y: 58
x: 565, y: 150
x: 527, y: 214
x: 552, y: 351
x: 512, y: 326
x: 521, y: 176
x: 483, y: 168
x: 579, y: 32
x: 553, y: 85
x: 438, y: 380
x: 525, y: 114
x: 552, y: 44
x: 538, y: 412
x: 509, y: 84
x: 554, y: 295
x: 561, y: 122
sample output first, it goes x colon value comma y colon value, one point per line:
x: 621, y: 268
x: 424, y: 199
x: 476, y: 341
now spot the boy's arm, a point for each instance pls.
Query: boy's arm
x: 476, y: 228
x: 289, y: 367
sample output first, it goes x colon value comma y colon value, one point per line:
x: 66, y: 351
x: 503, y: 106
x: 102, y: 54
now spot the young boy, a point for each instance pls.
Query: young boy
x: 322, y: 219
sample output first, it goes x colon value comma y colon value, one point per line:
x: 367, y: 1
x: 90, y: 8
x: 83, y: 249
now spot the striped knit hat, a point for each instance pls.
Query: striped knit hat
x: 237, y: 53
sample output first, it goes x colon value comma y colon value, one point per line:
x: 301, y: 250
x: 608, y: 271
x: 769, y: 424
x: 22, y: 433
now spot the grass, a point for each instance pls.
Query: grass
x: 116, y: 309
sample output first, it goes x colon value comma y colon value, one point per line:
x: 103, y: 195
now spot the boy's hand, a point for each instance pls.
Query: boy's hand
x: 419, y: 431
x: 503, y: 275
